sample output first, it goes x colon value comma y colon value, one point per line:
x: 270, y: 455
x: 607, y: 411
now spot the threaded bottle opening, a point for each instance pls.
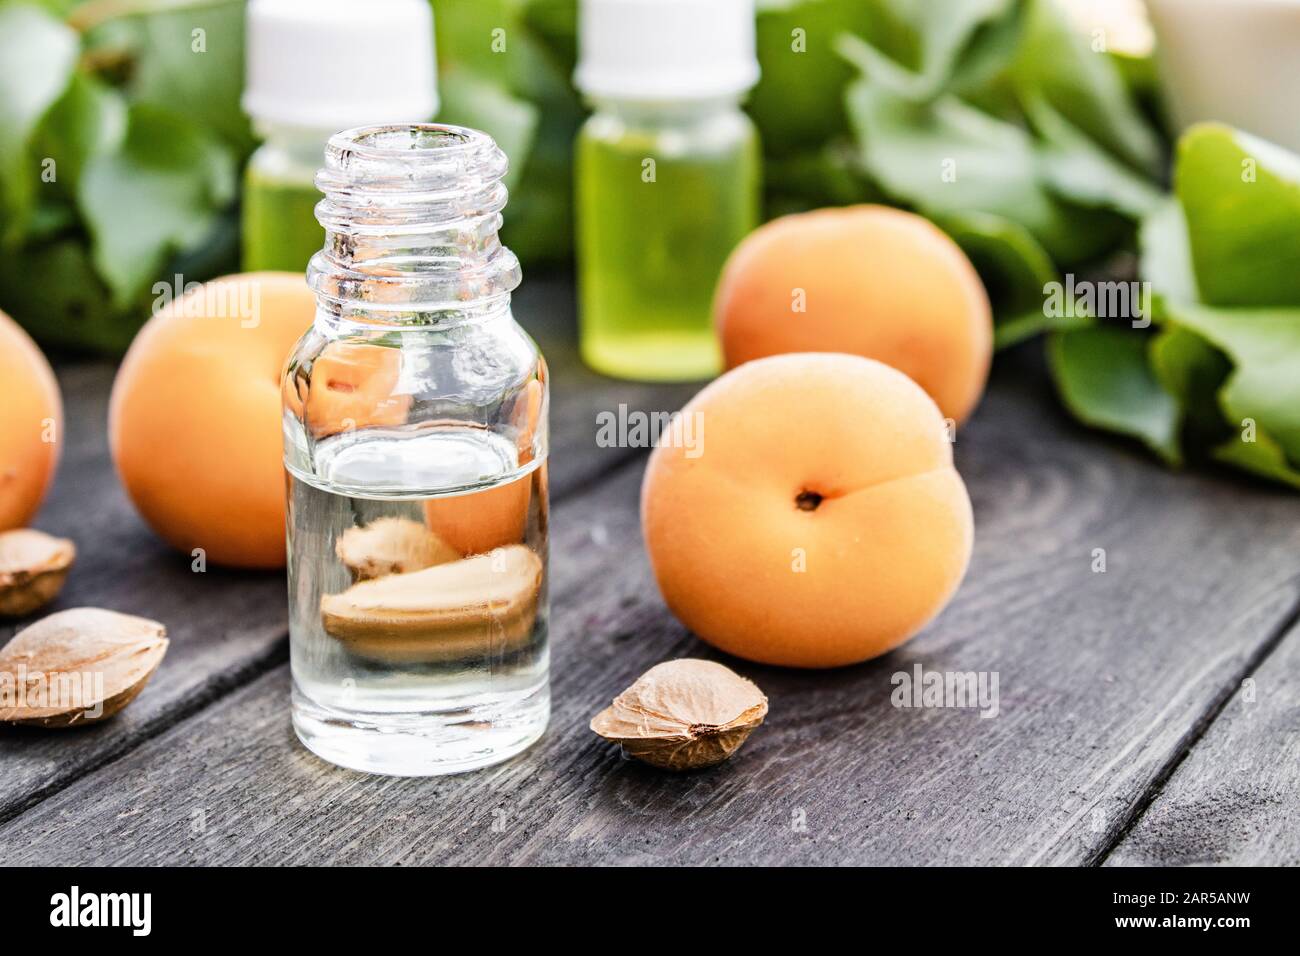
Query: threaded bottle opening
x: 411, y: 214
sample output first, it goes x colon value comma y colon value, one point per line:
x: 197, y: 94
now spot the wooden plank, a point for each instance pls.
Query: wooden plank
x: 228, y: 627
x: 1235, y: 800
x: 1103, y: 678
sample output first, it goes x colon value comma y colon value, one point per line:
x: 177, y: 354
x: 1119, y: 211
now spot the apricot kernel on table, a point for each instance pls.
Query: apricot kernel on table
x: 33, y: 567
x: 78, y: 666
x: 683, y: 715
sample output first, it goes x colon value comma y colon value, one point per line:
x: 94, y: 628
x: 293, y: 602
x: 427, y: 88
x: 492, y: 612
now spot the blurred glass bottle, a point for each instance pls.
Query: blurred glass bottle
x: 315, y: 67
x: 668, y: 178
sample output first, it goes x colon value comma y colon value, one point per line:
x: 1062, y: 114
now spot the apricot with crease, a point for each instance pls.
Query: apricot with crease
x: 820, y: 523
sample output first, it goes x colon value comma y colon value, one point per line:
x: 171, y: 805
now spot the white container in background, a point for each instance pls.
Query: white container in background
x: 313, y: 68
x: 1234, y: 61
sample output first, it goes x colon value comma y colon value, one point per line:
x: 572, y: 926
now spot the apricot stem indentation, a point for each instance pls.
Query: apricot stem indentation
x: 807, y: 500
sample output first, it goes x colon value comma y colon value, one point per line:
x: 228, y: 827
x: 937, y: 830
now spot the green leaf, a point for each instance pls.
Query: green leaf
x: 37, y: 56
x: 1264, y: 345
x: 1019, y: 327
x: 463, y: 30
x: 945, y: 158
x: 539, y: 218
x: 1192, y: 370
x: 1057, y: 62
x: 52, y: 291
x: 1104, y: 380
x: 798, y: 103
x: 89, y: 119
x: 1166, y: 257
x: 981, y: 75
x: 51, y: 218
x: 191, y: 61
x: 1141, y: 75
x: 1241, y: 197
x: 941, y: 30
x: 555, y: 24
x: 947, y: 29
x: 156, y: 195
x: 505, y: 65
x: 1015, y: 270
x: 826, y: 176
x: 1076, y: 168
x: 60, y: 8
x: 1263, y: 457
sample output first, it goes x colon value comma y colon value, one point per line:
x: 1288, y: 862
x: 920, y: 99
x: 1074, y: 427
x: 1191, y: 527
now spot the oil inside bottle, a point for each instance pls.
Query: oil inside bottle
x: 418, y: 597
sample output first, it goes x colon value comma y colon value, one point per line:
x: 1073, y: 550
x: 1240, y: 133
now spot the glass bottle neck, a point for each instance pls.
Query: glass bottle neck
x: 411, y: 216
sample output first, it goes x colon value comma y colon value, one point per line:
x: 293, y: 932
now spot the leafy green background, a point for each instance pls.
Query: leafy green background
x: 1036, y: 148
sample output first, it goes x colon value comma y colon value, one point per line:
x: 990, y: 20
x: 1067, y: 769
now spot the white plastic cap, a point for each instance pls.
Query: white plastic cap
x: 666, y: 49
x: 334, y: 64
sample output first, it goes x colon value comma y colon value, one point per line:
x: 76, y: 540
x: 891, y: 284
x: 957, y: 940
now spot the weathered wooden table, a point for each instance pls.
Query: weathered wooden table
x: 1148, y: 713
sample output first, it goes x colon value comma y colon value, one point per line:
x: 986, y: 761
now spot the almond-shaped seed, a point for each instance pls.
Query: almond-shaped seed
x: 475, y: 606
x: 33, y: 567
x: 683, y: 715
x: 77, y: 667
x: 391, y: 546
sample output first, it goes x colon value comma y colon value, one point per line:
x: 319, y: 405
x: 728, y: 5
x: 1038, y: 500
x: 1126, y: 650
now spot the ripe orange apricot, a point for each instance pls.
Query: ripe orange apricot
x: 31, y: 426
x: 817, y: 520
x: 195, y: 418
x: 496, y: 518
x: 351, y: 386
x: 483, y: 520
x: 868, y: 280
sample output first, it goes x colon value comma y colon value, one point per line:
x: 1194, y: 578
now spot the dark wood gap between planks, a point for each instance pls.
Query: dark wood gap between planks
x: 1233, y: 801
x: 1287, y: 626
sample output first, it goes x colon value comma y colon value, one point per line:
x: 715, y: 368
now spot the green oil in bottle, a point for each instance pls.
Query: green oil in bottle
x: 668, y: 174
x: 662, y: 198
x: 280, y: 231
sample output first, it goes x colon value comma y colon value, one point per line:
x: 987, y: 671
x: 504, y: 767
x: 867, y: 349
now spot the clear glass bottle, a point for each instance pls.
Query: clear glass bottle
x: 415, y: 426
x: 668, y: 172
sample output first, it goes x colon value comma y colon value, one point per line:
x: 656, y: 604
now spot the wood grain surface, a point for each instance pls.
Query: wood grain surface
x: 1235, y: 799
x: 1116, y: 688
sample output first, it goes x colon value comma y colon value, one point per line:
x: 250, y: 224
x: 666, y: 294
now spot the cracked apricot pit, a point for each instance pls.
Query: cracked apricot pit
x: 194, y: 419
x: 867, y: 280
x: 31, y: 425
x: 820, y: 523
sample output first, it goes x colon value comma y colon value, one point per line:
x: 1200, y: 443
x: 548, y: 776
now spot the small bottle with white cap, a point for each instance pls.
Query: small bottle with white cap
x: 668, y: 178
x: 315, y: 67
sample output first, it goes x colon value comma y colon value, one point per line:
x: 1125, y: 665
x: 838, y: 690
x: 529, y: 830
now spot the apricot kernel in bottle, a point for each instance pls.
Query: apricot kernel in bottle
x: 391, y: 546
x: 469, y: 607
